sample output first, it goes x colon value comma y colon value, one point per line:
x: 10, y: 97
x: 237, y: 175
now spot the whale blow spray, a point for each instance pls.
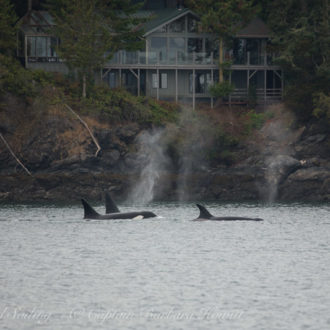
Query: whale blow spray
x: 151, y: 161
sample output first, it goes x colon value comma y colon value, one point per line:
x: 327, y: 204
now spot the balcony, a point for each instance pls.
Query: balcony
x: 182, y: 59
x: 161, y: 58
x: 252, y: 59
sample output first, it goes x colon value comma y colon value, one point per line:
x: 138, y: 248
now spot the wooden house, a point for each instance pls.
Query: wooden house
x: 178, y: 62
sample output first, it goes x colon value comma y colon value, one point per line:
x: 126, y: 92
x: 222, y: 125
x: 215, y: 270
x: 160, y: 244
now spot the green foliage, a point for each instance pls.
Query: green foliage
x: 27, y: 84
x: 221, y: 89
x: 119, y: 106
x: 223, y: 18
x: 162, y: 112
x: 322, y: 106
x: 196, y: 139
x: 8, y: 27
x: 254, y: 121
x: 302, y: 37
x: 114, y: 105
x: 91, y: 31
x: 107, y: 104
x: 14, y: 78
x: 223, y: 146
x: 43, y: 78
x: 225, y: 66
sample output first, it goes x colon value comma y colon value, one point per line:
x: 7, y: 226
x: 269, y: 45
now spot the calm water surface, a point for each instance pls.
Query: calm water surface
x: 58, y: 271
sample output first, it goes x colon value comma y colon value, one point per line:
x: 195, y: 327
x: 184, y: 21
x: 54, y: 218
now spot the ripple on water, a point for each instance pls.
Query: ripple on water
x: 60, y: 271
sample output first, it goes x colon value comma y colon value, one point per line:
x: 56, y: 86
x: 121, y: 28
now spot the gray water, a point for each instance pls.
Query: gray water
x: 59, y: 271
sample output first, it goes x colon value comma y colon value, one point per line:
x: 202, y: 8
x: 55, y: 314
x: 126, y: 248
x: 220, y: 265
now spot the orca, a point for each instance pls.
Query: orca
x: 110, y: 205
x: 206, y: 215
x: 90, y: 213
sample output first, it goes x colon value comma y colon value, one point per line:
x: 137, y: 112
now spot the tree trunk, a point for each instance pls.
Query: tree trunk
x: 84, y: 86
x: 326, y: 14
x: 221, y: 60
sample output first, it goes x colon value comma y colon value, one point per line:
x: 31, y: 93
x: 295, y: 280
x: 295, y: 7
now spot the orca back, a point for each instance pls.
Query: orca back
x: 206, y: 215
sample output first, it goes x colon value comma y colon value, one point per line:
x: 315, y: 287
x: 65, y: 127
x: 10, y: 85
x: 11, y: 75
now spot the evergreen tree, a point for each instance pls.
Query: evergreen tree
x: 302, y: 37
x: 8, y: 28
x: 91, y: 31
x: 223, y: 18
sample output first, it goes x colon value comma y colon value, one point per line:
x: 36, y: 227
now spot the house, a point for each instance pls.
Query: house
x: 36, y: 47
x: 178, y: 62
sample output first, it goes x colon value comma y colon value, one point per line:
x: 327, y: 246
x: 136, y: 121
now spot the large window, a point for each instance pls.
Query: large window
x: 41, y: 46
x: 254, y: 46
x: 195, y: 45
x: 158, y: 48
x: 163, y: 80
x: 250, y: 49
x: 202, y: 82
x: 178, y: 25
x: 177, y: 49
x: 159, y: 81
x: 239, y: 51
x: 192, y: 24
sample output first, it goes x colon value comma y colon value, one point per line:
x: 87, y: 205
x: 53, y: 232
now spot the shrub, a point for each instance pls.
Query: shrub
x: 118, y: 105
x: 221, y: 89
x: 14, y: 78
x: 223, y: 146
x: 43, y: 78
x: 254, y: 121
x: 321, y: 103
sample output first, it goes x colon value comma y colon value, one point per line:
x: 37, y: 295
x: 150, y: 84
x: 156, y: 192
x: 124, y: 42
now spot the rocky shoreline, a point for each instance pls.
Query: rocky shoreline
x: 294, y: 166
x: 310, y: 184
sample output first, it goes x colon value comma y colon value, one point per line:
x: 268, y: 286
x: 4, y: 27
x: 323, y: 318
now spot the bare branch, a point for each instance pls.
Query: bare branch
x: 88, y: 129
x: 13, y: 154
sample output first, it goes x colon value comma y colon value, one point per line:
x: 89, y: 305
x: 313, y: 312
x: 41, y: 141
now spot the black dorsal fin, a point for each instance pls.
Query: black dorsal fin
x: 89, y: 212
x: 204, y: 213
x: 110, y: 206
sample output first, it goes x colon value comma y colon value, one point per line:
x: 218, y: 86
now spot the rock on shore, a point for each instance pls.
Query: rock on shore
x: 294, y: 166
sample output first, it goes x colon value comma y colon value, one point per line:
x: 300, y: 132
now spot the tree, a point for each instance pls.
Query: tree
x: 224, y: 18
x: 91, y: 31
x: 302, y: 38
x: 8, y: 28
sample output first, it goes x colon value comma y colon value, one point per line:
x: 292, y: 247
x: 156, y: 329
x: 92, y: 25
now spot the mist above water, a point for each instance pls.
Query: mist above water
x: 160, y: 151
x: 152, y: 161
x: 183, y: 148
x: 277, y: 152
x: 196, y: 137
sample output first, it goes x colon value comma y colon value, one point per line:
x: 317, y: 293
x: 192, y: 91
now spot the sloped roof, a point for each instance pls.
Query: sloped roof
x: 158, y: 18
x: 41, y: 21
x: 256, y: 28
x: 36, y: 21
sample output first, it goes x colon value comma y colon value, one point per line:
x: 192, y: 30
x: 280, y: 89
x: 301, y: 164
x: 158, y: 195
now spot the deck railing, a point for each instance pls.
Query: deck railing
x: 172, y: 58
x: 269, y: 94
x: 252, y: 58
x: 162, y: 58
x: 183, y: 58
